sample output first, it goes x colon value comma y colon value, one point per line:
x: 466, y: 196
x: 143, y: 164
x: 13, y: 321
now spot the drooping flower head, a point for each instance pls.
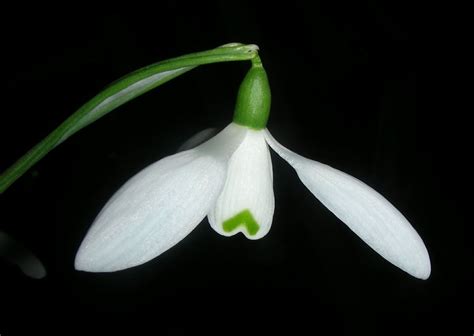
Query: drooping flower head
x: 229, y: 179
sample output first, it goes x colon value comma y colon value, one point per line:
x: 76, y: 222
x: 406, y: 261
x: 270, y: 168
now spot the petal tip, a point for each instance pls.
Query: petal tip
x: 82, y: 264
x: 424, y: 272
x: 421, y: 269
x: 86, y: 263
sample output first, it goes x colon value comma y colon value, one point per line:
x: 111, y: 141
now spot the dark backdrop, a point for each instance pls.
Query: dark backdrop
x: 349, y: 89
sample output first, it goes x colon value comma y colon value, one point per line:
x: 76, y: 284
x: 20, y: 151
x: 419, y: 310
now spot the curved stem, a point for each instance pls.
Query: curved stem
x: 120, y: 92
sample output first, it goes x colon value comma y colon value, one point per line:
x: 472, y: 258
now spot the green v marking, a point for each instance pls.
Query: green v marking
x: 244, y: 218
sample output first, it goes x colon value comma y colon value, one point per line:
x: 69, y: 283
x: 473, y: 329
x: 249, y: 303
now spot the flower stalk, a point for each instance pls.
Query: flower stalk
x: 121, y: 91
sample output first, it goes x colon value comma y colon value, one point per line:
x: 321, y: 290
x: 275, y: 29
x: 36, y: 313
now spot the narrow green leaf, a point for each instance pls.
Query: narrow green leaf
x: 120, y: 92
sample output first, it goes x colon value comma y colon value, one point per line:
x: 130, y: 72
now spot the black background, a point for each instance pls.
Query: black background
x: 350, y: 88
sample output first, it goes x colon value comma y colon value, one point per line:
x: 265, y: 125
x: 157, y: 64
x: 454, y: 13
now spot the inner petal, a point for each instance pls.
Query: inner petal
x: 246, y: 203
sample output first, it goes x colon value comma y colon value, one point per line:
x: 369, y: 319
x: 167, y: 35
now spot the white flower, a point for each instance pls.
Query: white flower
x: 229, y: 179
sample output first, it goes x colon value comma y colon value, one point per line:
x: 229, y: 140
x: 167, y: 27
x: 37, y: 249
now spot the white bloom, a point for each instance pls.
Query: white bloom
x: 229, y: 179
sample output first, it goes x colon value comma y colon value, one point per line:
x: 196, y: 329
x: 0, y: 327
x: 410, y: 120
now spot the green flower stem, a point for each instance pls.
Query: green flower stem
x: 120, y: 92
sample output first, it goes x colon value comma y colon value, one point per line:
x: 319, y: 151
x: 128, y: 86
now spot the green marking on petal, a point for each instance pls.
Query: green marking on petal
x: 244, y: 218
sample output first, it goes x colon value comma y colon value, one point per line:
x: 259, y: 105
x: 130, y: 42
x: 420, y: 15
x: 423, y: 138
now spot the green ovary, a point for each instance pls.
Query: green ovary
x: 252, y: 108
x: 244, y: 218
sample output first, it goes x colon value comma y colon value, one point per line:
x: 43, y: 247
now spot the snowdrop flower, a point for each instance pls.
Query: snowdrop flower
x: 229, y: 179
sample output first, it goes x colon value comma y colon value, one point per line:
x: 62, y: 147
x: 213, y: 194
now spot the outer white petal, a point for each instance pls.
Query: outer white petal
x: 159, y: 206
x: 363, y: 210
x: 248, y: 191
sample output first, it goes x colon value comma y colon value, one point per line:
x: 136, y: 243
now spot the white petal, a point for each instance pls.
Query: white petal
x: 246, y: 203
x: 363, y: 210
x: 159, y: 206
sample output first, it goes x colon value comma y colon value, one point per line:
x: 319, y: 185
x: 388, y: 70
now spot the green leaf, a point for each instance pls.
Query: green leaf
x: 120, y: 92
